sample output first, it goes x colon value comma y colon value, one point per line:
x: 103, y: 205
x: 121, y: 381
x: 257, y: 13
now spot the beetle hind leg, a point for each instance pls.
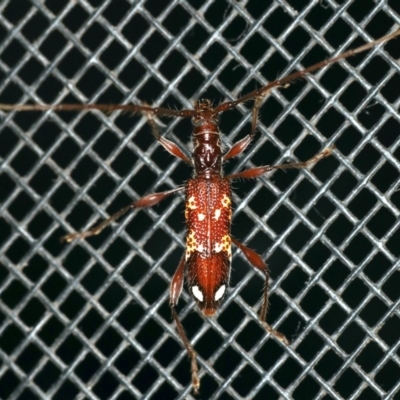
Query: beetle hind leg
x: 174, y: 293
x: 257, y: 262
x: 191, y: 353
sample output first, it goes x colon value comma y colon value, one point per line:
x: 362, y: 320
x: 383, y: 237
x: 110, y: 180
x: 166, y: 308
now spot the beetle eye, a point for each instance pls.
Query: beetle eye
x: 216, y: 119
x: 197, y: 121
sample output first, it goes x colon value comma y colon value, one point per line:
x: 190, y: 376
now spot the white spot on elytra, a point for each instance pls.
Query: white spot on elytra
x: 218, y: 247
x: 201, y: 216
x: 217, y: 214
x: 197, y: 293
x: 219, y: 293
x: 200, y: 248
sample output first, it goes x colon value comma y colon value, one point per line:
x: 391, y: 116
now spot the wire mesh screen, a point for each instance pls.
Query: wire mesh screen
x: 91, y: 319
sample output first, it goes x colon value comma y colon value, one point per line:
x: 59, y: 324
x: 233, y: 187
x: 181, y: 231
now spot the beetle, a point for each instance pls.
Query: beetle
x: 206, y: 261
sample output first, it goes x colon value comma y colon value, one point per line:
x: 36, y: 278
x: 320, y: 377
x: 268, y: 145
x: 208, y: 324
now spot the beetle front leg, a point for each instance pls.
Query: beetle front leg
x: 240, y: 146
x: 171, y: 147
x: 257, y: 262
x: 174, y: 293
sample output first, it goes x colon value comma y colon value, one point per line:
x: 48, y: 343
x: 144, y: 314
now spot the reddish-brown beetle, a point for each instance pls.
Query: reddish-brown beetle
x: 207, y: 257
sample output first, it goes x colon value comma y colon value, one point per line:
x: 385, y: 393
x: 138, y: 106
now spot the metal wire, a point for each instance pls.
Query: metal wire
x: 90, y: 320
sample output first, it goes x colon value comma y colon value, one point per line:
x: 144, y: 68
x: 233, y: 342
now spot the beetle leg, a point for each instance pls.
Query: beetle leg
x: 171, y: 147
x: 146, y: 201
x: 240, y: 146
x: 174, y: 293
x: 258, y: 171
x: 257, y: 262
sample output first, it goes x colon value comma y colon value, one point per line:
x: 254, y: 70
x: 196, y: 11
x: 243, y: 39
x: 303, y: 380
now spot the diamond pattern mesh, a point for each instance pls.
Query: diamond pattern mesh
x: 90, y: 320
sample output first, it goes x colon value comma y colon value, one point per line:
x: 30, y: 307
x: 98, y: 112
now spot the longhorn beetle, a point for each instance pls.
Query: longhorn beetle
x: 207, y: 257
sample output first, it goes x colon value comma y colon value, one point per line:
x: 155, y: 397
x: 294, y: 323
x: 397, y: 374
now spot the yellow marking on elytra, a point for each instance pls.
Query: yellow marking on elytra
x: 191, y: 244
x: 226, y: 245
x: 226, y: 241
x: 226, y: 201
x: 191, y: 203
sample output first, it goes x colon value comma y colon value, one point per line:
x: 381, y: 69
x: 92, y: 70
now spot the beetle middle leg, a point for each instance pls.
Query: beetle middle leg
x: 146, y: 201
x: 258, y: 171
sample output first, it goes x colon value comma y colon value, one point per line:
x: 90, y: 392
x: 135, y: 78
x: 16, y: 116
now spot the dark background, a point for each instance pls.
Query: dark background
x: 90, y: 320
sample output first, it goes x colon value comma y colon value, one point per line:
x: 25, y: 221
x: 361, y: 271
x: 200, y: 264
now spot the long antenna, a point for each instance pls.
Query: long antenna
x: 300, y: 74
x: 185, y: 113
